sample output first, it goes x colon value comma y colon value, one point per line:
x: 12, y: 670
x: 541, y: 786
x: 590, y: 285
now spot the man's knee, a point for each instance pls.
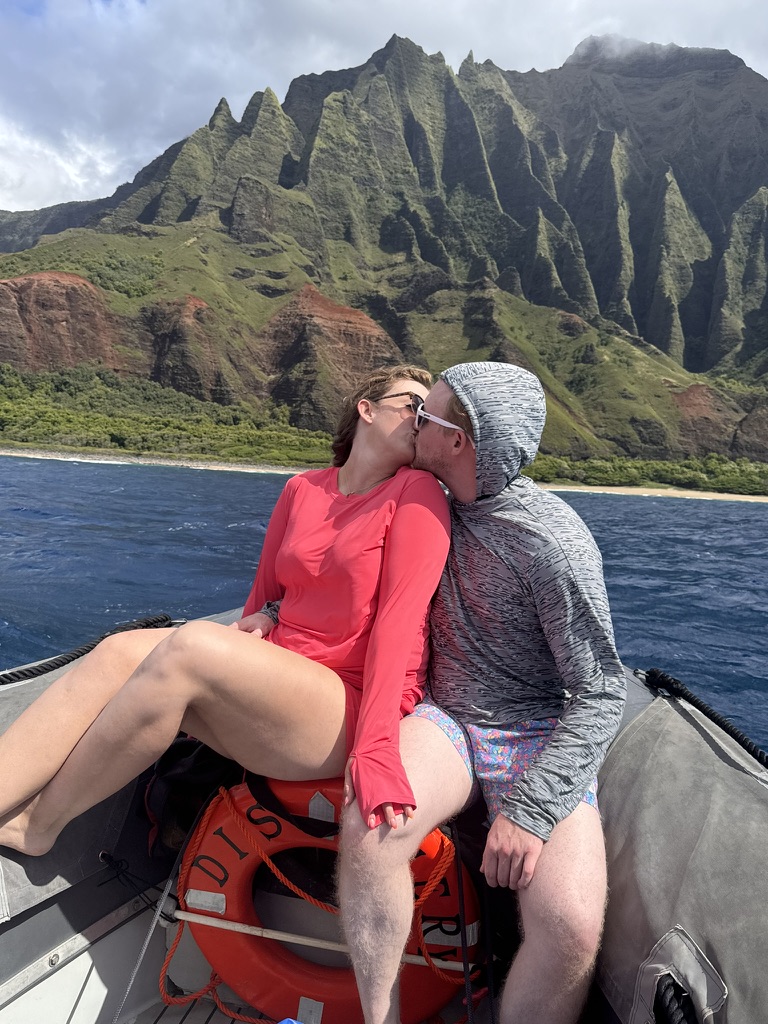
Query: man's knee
x: 439, y: 795
x: 568, y: 924
x: 382, y: 847
x: 564, y: 907
x: 580, y: 931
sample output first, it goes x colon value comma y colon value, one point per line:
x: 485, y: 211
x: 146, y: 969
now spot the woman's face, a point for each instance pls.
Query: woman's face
x: 393, y: 417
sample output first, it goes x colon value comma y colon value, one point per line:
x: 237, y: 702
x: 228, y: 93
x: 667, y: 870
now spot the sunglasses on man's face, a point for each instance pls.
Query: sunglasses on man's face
x: 417, y: 405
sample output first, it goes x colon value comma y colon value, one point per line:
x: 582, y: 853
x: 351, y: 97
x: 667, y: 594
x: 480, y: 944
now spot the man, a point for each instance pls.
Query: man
x: 527, y: 692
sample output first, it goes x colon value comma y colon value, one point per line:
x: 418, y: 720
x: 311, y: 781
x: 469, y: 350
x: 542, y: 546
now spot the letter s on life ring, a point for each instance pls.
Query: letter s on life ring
x: 219, y: 883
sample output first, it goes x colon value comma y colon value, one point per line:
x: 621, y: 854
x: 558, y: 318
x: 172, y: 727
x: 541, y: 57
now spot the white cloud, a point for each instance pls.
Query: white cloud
x: 36, y: 173
x: 109, y: 84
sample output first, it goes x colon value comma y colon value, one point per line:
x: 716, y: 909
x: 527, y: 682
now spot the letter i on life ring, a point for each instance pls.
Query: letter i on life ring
x: 219, y: 883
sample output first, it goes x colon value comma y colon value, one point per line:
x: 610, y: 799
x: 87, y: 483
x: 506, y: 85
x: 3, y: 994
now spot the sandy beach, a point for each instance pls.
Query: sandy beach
x: 257, y: 467
x: 127, y: 459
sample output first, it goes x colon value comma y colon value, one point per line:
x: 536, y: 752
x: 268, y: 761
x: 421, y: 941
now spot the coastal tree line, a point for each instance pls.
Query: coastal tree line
x: 93, y: 411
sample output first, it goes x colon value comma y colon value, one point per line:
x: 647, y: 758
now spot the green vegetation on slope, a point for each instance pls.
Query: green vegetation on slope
x: 95, y: 410
x: 712, y: 473
x: 89, y: 409
x: 245, y: 285
x: 114, y: 270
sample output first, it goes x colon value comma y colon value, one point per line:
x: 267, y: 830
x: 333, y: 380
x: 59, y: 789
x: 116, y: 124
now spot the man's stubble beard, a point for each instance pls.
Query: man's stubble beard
x: 432, y: 465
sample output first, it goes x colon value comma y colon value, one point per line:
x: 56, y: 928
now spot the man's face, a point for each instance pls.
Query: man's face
x: 433, y: 442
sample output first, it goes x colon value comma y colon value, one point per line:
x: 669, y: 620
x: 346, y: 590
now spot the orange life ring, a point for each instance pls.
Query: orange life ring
x: 218, y: 882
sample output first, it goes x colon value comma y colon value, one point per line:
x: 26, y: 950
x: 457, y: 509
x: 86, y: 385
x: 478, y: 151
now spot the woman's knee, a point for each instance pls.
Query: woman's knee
x: 122, y: 653
x: 186, y: 647
x: 173, y: 663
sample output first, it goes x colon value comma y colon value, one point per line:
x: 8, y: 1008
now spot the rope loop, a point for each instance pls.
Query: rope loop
x: 447, y: 855
x: 19, y: 675
x: 250, y: 838
x: 214, y: 981
x: 657, y: 680
x: 672, y: 1004
x: 438, y: 873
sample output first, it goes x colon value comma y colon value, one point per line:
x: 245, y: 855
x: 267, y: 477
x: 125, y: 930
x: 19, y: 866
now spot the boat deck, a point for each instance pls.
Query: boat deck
x: 203, y: 1011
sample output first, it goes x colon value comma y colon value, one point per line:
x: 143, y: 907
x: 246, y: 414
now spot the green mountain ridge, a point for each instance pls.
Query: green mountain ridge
x: 603, y: 223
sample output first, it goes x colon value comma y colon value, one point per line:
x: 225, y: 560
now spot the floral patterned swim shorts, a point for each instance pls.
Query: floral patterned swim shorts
x: 496, y: 757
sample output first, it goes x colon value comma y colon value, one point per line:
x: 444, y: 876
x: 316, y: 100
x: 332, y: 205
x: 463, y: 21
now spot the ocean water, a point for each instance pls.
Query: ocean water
x: 84, y: 546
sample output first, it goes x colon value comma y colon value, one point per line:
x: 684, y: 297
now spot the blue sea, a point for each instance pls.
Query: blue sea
x: 84, y: 546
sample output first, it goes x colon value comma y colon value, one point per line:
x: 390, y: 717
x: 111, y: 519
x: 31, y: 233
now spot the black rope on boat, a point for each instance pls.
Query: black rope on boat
x: 657, y: 680
x: 138, y: 885
x: 106, y: 858
x: 463, y: 924
x: 18, y: 675
x: 672, y: 1004
x: 488, y: 930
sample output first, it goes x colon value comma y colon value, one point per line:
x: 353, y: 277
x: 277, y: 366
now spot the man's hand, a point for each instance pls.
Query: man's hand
x: 257, y: 624
x: 510, y: 855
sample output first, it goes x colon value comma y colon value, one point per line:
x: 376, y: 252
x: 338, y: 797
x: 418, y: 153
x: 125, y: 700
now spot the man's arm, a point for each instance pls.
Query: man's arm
x: 570, y: 597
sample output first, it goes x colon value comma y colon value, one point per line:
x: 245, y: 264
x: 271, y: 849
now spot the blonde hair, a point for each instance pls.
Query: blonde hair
x: 374, y: 387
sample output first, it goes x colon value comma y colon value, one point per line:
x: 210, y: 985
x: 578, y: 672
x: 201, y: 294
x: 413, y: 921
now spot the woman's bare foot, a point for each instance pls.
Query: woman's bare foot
x: 18, y: 833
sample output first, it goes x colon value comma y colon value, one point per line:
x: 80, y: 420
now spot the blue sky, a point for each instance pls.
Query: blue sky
x: 92, y: 90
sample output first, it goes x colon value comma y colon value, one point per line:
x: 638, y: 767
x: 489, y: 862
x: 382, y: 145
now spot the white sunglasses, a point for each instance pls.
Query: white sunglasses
x: 417, y: 405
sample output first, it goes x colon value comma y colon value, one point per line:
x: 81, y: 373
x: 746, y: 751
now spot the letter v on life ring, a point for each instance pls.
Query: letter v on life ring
x: 270, y: 977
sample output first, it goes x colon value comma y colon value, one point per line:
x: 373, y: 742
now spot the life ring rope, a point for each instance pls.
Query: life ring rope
x: 249, y: 837
x: 447, y: 855
x: 438, y: 871
x: 215, y: 980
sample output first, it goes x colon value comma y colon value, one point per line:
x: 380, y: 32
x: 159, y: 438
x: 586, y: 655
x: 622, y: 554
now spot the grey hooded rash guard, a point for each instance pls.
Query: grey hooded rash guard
x: 520, y: 624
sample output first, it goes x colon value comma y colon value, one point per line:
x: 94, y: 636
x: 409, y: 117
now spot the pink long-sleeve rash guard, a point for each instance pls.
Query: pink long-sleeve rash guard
x: 355, y: 575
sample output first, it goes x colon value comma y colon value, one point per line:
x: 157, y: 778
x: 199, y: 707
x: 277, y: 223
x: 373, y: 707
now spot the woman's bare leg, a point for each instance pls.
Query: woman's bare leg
x: 275, y: 712
x: 38, y: 743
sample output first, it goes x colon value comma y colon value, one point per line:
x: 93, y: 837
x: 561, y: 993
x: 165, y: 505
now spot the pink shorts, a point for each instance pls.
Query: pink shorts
x: 495, y: 757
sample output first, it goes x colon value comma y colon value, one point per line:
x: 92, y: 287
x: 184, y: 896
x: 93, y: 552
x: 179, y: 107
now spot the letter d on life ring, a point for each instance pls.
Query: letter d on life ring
x: 219, y: 883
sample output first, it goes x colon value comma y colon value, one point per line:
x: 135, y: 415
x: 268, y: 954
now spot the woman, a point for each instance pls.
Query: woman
x: 353, y: 555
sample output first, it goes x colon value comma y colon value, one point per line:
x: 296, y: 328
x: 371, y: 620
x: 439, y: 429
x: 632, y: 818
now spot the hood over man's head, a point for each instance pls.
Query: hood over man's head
x: 507, y: 407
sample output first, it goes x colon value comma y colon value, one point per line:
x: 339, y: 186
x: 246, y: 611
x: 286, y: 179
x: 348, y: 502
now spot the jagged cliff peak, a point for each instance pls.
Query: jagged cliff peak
x: 624, y: 55
x: 467, y: 66
x: 627, y: 187
x: 402, y: 46
x: 222, y: 115
x: 251, y: 111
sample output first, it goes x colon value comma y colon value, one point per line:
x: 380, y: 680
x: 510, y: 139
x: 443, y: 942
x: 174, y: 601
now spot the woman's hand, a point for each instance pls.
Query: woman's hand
x: 389, y: 813
x: 349, y: 789
x: 379, y: 815
x: 257, y: 624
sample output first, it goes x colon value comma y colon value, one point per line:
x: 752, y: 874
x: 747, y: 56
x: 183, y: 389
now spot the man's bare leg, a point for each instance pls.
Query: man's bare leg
x: 375, y: 882
x: 562, y: 912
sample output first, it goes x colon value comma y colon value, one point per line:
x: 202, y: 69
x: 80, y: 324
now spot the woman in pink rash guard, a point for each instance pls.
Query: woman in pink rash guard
x: 352, y: 557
